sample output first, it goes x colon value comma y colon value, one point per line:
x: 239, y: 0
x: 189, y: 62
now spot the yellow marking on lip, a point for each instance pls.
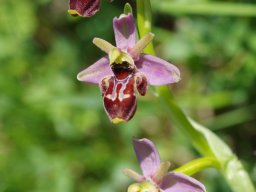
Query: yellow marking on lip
x: 73, y: 12
x: 117, y: 120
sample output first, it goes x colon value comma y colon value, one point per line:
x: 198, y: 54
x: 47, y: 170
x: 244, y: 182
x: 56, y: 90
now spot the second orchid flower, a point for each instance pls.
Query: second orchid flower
x: 155, y: 176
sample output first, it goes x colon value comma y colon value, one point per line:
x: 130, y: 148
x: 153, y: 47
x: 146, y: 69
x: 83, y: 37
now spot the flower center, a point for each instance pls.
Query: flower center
x: 122, y: 71
x: 144, y: 186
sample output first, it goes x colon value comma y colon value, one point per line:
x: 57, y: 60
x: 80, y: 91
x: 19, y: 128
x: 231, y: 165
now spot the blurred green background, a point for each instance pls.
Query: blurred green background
x: 54, y: 133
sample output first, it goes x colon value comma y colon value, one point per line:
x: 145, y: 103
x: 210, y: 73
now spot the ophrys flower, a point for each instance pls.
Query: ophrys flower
x: 126, y: 70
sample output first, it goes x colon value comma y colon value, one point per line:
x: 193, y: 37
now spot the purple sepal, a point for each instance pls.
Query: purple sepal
x: 125, y: 32
x: 158, y: 71
x: 96, y: 72
x: 147, y: 156
x: 178, y: 182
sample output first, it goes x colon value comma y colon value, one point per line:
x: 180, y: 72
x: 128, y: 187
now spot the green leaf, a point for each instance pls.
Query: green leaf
x: 231, y: 167
x: 209, y: 144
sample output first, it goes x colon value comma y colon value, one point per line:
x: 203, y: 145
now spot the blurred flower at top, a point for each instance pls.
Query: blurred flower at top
x: 155, y: 176
x: 126, y: 71
x: 84, y: 8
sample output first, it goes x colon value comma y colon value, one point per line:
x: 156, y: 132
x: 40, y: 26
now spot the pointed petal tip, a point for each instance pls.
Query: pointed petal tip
x: 127, y: 8
x: 176, y: 77
x: 141, y: 140
x: 83, y: 77
x: 150, y: 35
x: 79, y: 76
x: 103, y: 44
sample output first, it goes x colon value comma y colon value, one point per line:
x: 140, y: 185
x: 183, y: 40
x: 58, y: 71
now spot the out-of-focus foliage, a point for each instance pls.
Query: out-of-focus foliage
x: 54, y: 134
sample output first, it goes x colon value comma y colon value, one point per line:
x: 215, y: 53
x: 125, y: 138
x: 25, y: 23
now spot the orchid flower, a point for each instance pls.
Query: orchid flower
x: 84, y: 8
x: 126, y: 70
x: 155, y: 176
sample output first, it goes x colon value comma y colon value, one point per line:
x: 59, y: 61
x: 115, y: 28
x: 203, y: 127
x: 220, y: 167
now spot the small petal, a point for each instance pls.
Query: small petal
x: 147, y: 156
x: 103, y: 45
x: 96, y: 72
x: 86, y: 8
x: 133, y: 175
x: 140, y: 45
x: 157, y: 71
x: 178, y: 182
x: 125, y: 33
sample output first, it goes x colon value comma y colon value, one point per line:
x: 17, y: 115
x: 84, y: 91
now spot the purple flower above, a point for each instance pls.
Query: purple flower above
x: 155, y: 176
x: 126, y: 71
x: 84, y: 8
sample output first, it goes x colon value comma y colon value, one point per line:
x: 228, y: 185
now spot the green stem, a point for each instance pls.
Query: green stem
x: 144, y: 26
x: 208, y: 8
x: 182, y: 122
x: 198, y: 165
x: 144, y: 20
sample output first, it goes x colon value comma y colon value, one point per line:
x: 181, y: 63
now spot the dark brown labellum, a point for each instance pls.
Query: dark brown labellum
x: 119, y: 91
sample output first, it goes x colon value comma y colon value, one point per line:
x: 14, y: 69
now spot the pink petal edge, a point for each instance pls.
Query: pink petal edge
x: 178, y: 182
x: 157, y: 71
